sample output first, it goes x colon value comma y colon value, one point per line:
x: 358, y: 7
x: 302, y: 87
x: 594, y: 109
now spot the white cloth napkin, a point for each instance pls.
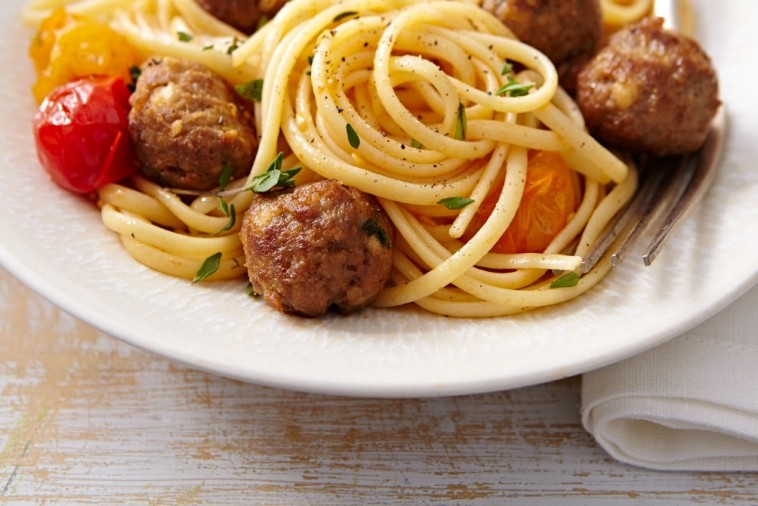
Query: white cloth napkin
x: 690, y: 404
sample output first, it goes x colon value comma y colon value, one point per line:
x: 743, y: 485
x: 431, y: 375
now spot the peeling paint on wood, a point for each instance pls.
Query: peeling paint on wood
x: 85, y: 418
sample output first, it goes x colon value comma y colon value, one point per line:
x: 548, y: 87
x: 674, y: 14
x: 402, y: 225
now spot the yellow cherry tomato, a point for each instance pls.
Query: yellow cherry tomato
x: 550, y: 198
x: 69, y: 47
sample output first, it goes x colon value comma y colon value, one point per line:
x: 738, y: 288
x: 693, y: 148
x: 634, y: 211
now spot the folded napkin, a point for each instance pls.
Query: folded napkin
x: 690, y: 404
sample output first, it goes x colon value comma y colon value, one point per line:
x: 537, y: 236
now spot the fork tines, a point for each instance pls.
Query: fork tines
x: 672, y: 185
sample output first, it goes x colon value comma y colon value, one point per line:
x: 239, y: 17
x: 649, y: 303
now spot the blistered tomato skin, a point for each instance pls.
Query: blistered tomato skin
x: 81, y: 134
x: 549, y: 199
x: 69, y: 47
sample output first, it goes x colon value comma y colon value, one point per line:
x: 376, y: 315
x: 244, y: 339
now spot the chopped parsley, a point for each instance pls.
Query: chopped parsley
x: 416, y: 144
x: 184, y: 36
x: 454, y: 203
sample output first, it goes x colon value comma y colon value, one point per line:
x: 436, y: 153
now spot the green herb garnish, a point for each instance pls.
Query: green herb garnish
x: 251, y: 90
x: 455, y: 202
x: 226, y: 176
x: 261, y: 21
x: 230, y: 212
x: 274, y: 177
x: 210, y: 265
x: 134, y: 73
x: 343, y: 15
x: 514, y: 89
x: 461, y: 125
x: 233, y: 46
x: 352, y: 136
x: 372, y: 227
x: 184, y: 36
x: 416, y: 144
x: 566, y: 281
x: 507, y: 68
x: 250, y: 290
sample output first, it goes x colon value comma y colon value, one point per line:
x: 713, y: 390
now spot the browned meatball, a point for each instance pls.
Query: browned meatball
x: 187, y: 124
x: 244, y: 15
x: 317, y: 246
x: 567, y: 31
x: 649, y: 90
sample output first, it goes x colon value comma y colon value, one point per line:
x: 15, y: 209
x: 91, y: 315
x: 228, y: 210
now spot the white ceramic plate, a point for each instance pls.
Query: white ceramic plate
x: 56, y: 243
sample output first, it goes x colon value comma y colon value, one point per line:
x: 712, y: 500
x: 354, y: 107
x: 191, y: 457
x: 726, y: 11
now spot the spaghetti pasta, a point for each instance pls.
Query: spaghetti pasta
x: 623, y: 12
x: 424, y: 87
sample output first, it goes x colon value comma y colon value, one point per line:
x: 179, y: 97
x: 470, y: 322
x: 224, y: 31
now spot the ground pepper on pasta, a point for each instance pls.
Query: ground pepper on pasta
x: 429, y: 107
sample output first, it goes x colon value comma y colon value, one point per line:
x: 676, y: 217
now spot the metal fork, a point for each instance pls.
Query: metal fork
x: 673, y: 185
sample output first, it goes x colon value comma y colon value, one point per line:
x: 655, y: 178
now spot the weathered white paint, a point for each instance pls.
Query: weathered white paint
x: 85, y: 418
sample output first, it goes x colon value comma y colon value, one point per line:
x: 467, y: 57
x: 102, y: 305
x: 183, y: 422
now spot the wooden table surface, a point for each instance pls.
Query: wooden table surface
x: 85, y: 418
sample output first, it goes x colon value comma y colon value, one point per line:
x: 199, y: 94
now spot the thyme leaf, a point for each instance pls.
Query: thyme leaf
x: 251, y: 90
x: 461, y: 124
x: 514, y: 89
x: 209, y: 266
x: 454, y: 203
x: 566, y: 281
x: 352, y: 136
x: 372, y: 227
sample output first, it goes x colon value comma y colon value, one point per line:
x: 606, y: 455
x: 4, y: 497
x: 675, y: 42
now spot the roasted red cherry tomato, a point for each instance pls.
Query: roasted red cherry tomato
x: 549, y: 199
x: 81, y: 133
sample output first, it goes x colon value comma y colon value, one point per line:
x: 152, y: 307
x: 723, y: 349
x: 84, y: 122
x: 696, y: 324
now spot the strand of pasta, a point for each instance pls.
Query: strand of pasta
x: 417, y: 82
x: 181, y: 244
x: 136, y: 202
x: 201, y: 22
x: 449, y: 270
x: 35, y: 11
x: 606, y: 209
x: 194, y: 220
x: 303, y: 138
x: 229, y: 267
x: 623, y: 12
x: 431, y: 252
x: 599, y: 163
x: 149, y: 38
x: 487, y: 309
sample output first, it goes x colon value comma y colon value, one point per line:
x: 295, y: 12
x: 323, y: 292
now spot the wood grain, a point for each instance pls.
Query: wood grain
x: 85, y: 418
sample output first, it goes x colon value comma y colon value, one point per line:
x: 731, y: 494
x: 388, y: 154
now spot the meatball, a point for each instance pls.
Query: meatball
x: 317, y: 246
x: 649, y: 90
x: 567, y: 31
x: 187, y: 124
x: 244, y: 15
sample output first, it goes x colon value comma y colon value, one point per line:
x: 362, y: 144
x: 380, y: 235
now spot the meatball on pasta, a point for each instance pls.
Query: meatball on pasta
x: 317, y: 246
x: 244, y: 15
x: 567, y: 31
x: 649, y: 90
x: 187, y: 125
